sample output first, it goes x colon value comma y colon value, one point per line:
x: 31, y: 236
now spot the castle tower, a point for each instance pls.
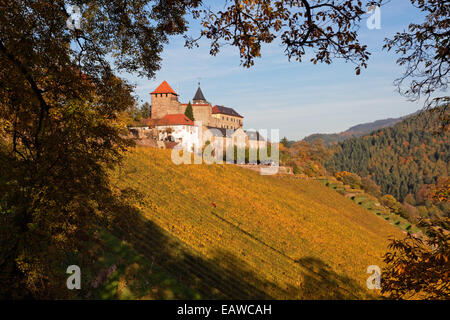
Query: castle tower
x: 199, y: 98
x: 164, y: 101
x: 202, y: 109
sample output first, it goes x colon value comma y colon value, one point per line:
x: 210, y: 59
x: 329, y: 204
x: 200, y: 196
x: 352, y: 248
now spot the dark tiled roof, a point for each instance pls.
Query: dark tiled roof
x: 227, y: 133
x: 254, y: 135
x: 226, y: 110
x: 221, y: 132
x: 199, y: 95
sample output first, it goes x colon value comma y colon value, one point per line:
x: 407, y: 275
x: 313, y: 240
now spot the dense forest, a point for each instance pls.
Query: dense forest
x: 406, y: 160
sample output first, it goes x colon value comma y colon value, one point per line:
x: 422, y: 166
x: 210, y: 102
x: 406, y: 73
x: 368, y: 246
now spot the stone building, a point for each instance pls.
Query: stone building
x: 226, y: 118
x: 164, y: 101
x: 178, y: 128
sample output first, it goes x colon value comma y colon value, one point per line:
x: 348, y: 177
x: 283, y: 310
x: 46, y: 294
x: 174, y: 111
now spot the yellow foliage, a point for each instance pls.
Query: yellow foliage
x: 302, y: 238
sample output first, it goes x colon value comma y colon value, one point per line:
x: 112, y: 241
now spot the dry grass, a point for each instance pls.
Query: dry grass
x: 230, y: 232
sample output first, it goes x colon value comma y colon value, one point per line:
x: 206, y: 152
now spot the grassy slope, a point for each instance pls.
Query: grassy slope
x: 227, y: 232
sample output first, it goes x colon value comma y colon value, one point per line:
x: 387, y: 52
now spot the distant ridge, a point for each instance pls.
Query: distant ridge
x: 375, y: 125
x: 355, y: 131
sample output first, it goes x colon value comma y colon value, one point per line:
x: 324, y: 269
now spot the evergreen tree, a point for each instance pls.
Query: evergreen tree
x: 285, y: 142
x: 145, y: 110
x: 189, y: 112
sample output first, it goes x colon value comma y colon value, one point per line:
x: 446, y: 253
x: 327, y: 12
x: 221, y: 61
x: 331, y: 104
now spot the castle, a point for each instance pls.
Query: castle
x: 217, y: 128
x: 165, y: 105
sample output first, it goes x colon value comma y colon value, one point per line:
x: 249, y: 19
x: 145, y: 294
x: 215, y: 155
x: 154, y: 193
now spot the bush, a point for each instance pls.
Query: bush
x: 418, y: 268
x: 370, y: 187
x: 410, y: 199
x: 348, y: 178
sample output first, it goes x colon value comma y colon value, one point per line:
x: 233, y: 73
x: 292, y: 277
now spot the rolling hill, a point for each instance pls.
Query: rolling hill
x: 220, y: 231
x: 355, y: 131
x: 401, y: 159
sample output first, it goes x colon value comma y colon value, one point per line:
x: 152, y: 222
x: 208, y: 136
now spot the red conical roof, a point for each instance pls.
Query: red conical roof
x: 164, y: 88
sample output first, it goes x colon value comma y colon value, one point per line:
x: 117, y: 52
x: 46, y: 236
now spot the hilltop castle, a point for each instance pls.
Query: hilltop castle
x: 165, y: 106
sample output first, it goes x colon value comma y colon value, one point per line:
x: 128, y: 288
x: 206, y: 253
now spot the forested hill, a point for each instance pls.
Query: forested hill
x: 402, y: 159
x: 355, y: 131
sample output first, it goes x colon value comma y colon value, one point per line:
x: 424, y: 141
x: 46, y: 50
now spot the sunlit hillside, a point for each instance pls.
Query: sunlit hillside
x: 226, y: 232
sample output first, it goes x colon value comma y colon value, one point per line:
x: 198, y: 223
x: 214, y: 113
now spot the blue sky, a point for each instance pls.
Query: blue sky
x: 297, y: 98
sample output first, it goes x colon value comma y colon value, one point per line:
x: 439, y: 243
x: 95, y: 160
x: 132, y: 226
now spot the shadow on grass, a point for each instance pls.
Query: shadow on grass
x: 320, y: 282
x: 223, y: 277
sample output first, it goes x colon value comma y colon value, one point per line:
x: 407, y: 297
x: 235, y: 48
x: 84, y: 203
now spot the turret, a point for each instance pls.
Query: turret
x: 199, y: 98
x: 164, y: 101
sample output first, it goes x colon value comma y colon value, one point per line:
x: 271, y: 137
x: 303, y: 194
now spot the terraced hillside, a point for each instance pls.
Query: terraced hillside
x: 227, y: 232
